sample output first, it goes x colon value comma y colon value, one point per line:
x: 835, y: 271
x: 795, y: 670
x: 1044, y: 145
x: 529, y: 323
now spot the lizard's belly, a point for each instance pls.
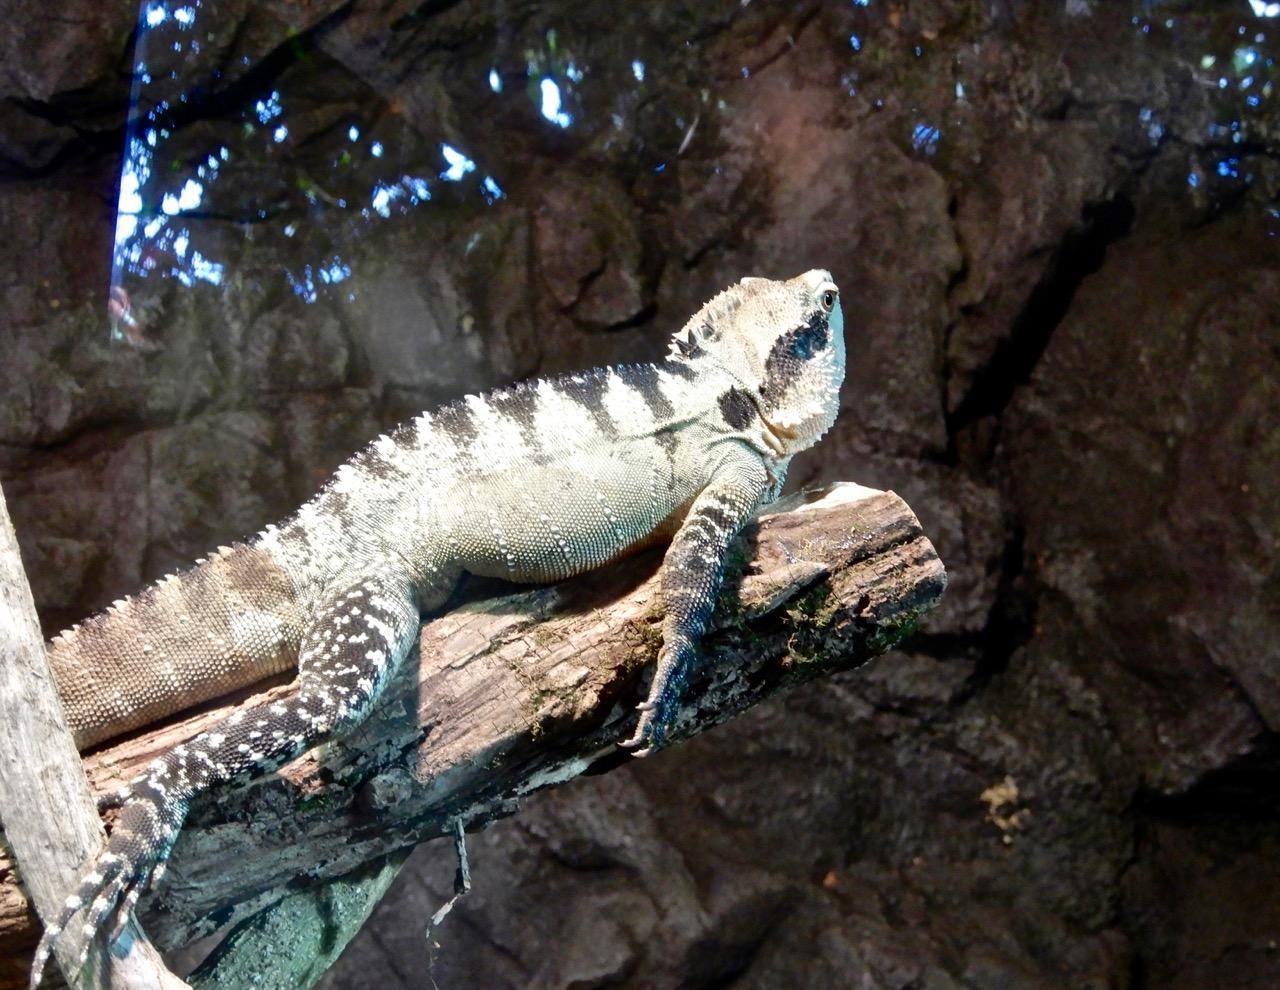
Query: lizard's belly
x: 548, y: 522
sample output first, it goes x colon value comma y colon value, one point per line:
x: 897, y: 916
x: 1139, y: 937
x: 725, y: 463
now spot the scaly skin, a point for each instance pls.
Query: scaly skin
x: 531, y: 483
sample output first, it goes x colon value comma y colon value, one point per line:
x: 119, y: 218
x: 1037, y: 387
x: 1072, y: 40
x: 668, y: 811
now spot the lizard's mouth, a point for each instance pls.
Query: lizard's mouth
x: 777, y: 436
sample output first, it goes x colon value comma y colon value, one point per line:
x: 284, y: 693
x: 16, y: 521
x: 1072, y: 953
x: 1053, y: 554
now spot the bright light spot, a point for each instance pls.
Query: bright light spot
x: 203, y: 268
x: 1263, y: 9
x: 855, y: 42
x: 375, y: 149
x: 419, y: 188
x: 1206, y: 61
x: 290, y: 229
x: 383, y: 196
x: 353, y: 133
x: 573, y: 72
x: 338, y: 271
x: 551, y: 104
x: 192, y: 193
x: 459, y: 164
x: 187, y: 199
x: 862, y: 3
x: 224, y: 153
x: 1193, y: 180
x: 495, y: 81
x: 129, y: 205
x: 126, y: 226
x: 959, y: 91
x: 153, y: 227
x: 924, y: 137
x: 181, y: 242
x: 186, y: 16
x: 306, y: 287
x: 156, y: 14
x: 1155, y: 130
x: 637, y: 70
x: 491, y: 190
x: 268, y: 108
x: 280, y: 133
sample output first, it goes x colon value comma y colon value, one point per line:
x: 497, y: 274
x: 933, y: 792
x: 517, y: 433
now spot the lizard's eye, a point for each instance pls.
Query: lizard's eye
x: 828, y: 300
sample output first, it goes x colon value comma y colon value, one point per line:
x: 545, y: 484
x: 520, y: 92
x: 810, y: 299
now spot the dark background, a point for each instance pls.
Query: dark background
x: 1056, y: 226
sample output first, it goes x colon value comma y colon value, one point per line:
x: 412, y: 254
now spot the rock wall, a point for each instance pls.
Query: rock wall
x: 1057, y: 230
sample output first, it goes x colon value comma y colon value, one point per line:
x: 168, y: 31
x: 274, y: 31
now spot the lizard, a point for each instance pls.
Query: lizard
x: 531, y: 483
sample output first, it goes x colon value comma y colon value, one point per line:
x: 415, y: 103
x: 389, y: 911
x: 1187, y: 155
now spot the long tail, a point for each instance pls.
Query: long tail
x: 226, y: 623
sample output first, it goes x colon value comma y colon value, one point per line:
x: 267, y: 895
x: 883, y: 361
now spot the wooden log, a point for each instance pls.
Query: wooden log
x: 510, y: 692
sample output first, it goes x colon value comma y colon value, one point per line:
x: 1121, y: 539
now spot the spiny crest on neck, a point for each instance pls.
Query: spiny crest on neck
x: 708, y: 324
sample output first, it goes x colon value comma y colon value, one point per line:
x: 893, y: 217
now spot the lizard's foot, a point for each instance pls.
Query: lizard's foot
x: 658, y: 711
x: 108, y: 890
x: 657, y: 715
x: 115, y: 799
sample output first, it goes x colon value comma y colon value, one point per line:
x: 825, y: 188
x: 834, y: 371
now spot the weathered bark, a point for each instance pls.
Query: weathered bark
x: 48, y: 813
x: 512, y: 693
x: 292, y: 943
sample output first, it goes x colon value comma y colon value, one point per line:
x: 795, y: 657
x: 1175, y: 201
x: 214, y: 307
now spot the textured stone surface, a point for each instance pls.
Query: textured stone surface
x: 1055, y: 226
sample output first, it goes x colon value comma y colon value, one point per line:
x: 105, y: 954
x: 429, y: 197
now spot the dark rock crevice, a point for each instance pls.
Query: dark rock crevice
x: 1079, y: 255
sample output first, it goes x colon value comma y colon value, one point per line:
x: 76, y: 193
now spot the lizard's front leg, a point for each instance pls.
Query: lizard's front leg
x: 354, y: 643
x: 691, y: 575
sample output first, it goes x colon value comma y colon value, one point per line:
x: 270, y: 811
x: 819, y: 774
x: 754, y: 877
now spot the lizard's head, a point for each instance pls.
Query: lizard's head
x: 784, y: 340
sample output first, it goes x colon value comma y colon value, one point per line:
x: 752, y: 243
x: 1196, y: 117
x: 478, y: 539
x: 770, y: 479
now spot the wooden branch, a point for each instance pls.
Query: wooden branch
x: 50, y: 821
x: 294, y: 941
x: 518, y: 691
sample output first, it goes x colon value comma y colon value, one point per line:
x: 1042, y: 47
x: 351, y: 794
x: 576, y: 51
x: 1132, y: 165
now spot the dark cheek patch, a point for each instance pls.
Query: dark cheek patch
x: 788, y: 354
x: 807, y: 340
x: 737, y: 408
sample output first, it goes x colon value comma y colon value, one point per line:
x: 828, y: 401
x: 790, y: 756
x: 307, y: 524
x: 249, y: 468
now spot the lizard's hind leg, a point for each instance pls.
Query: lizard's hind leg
x: 355, y: 641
